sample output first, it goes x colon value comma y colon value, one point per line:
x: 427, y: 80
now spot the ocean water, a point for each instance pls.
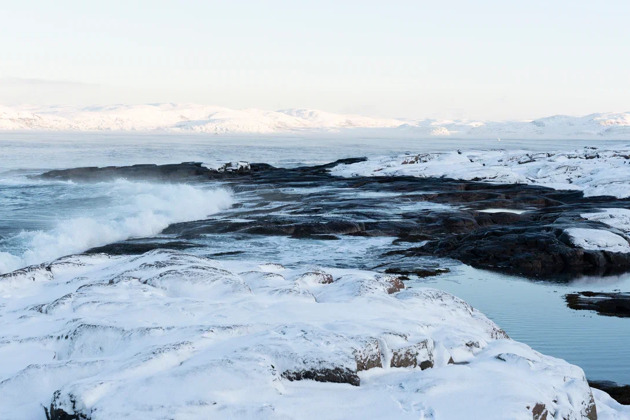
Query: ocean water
x: 43, y: 220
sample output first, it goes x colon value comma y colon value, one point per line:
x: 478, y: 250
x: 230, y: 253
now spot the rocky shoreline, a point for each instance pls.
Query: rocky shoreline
x: 511, y: 228
x: 608, y: 304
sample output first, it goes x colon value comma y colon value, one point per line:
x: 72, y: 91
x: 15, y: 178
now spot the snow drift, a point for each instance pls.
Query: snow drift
x: 171, y: 335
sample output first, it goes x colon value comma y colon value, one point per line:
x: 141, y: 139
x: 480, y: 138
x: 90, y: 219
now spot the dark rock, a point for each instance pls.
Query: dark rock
x: 368, y: 357
x: 591, y: 410
x: 53, y: 413
x: 225, y: 254
x: 138, y: 247
x: 171, y: 172
x: 339, y: 227
x: 417, y: 355
x: 336, y: 375
x: 421, y: 272
x: 605, y: 303
x: 533, y: 252
x: 540, y: 412
x: 501, y: 218
x: 531, y: 244
x: 60, y: 411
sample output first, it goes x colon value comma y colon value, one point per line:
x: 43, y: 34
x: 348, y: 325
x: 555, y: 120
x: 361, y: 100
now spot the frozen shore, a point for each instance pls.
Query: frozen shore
x: 167, y: 334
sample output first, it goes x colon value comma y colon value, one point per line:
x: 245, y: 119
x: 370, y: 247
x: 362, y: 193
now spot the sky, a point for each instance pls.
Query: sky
x: 409, y: 59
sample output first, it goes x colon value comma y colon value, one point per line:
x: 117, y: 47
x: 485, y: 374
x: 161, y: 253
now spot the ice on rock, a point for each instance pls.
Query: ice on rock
x: 614, y: 217
x: 171, y: 335
x: 596, y: 172
x: 598, y: 240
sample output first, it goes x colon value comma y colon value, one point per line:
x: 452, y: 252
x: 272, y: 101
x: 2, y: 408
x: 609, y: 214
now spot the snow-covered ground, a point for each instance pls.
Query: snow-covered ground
x: 218, y: 120
x: 616, y: 218
x: 171, y: 335
x: 593, y: 171
x: 598, y: 239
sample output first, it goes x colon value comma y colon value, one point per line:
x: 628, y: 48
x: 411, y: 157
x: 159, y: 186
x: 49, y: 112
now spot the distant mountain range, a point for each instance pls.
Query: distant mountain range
x: 183, y: 118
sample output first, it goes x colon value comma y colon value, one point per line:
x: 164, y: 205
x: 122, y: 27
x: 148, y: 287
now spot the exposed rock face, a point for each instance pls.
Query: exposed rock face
x: 174, y: 172
x: 529, y: 252
x: 421, y: 272
x: 590, y: 411
x: 539, y: 412
x: 608, y: 304
x: 132, y: 247
x: 417, y: 355
x: 54, y: 413
x: 369, y: 357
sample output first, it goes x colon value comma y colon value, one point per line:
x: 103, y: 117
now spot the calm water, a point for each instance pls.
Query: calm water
x: 535, y: 313
x: 43, y: 220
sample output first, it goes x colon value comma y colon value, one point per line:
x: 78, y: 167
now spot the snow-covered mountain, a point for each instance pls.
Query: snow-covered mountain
x: 181, y: 118
x: 218, y: 120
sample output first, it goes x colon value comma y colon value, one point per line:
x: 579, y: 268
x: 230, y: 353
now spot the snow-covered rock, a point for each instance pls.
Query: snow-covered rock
x: 172, y: 335
x: 608, y: 408
x: 615, y: 217
x: 595, y: 171
x: 598, y: 240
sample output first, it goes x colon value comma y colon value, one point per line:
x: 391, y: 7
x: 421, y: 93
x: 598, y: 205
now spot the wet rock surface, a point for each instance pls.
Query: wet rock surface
x: 608, y: 304
x: 424, y: 217
x: 132, y: 247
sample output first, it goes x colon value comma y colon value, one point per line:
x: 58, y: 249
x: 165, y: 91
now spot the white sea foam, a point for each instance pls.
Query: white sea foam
x: 134, y: 209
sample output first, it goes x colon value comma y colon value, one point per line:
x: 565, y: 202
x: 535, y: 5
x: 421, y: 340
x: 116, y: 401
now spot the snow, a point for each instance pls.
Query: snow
x: 595, y: 171
x: 609, y: 409
x: 595, y: 239
x: 499, y: 210
x: 194, y: 118
x: 181, y: 118
x: 171, y: 335
x: 615, y: 217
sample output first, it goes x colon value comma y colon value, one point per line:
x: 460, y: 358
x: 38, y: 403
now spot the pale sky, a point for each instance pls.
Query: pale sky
x: 413, y: 59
